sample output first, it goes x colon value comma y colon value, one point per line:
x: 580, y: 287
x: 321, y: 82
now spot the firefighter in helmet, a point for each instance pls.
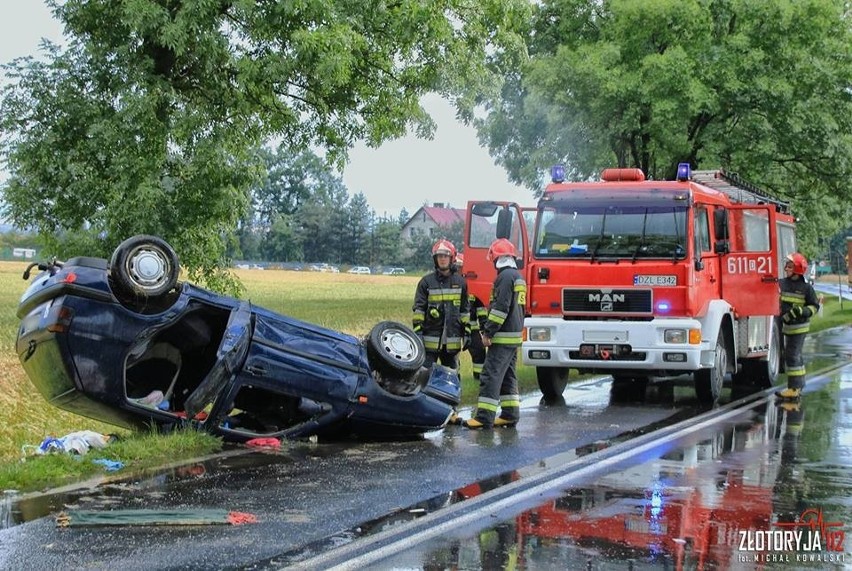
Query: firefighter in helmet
x: 798, y: 304
x: 478, y: 313
x: 501, y: 335
x: 441, y: 313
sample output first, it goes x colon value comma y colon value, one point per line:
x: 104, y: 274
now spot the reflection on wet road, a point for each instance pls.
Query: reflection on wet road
x: 738, y: 498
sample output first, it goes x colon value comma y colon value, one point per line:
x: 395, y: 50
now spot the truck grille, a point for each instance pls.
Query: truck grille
x: 607, y: 301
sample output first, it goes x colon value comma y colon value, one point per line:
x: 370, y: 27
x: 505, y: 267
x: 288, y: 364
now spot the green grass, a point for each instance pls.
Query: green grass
x: 344, y: 302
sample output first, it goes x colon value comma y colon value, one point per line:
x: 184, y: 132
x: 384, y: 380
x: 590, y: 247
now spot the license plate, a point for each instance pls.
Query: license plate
x: 640, y: 280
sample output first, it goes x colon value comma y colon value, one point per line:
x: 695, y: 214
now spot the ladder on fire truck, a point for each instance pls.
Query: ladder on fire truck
x: 738, y: 189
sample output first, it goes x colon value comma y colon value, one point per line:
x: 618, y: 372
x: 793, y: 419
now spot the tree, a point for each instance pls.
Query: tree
x: 759, y: 87
x: 147, y: 121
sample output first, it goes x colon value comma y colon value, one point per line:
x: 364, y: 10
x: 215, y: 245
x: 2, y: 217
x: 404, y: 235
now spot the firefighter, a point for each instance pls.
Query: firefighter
x: 478, y: 313
x: 441, y: 314
x: 798, y: 304
x: 501, y: 336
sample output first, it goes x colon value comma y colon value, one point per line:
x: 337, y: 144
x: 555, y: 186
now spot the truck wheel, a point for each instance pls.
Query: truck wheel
x: 759, y: 373
x: 144, y: 266
x: 628, y: 389
x: 394, y: 350
x: 708, y: 382
x: 552, y: 381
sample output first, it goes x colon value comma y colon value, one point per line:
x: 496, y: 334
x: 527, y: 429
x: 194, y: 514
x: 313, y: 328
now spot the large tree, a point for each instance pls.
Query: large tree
x: 760, y: 87
x: 146, y: 120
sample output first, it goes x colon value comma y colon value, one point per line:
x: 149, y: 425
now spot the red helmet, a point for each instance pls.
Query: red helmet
x: 459, y: 259
x: 501, y: 247
x: 444, y: 246
x: 800, y: 263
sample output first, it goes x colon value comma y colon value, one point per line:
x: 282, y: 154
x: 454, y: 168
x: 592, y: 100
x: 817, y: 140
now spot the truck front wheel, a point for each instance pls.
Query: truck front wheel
x: 552, y: 381
x: 708, y: 382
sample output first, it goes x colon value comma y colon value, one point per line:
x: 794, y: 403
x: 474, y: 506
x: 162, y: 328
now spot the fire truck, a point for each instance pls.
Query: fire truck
x: 642, y: 278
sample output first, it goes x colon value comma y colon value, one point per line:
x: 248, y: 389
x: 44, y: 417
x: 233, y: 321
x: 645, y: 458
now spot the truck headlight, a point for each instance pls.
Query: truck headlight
x: 675, y: 336
x: 539, y: 334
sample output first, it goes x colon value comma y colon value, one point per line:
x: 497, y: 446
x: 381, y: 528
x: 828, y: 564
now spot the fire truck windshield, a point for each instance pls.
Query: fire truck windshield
x: 574, y: 229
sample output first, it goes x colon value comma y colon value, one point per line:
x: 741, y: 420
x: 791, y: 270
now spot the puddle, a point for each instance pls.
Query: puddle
x: 735, y: 499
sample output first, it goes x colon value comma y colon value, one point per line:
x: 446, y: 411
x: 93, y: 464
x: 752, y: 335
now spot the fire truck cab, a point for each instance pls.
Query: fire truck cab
x: 639, y: 278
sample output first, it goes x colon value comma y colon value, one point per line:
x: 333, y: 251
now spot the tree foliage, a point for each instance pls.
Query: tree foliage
x: 759, y: 87
x: 148, y: 119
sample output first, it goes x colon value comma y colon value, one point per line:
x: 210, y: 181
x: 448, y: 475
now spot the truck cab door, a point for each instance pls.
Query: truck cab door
x: 750, y: 266
x: 485, y: 221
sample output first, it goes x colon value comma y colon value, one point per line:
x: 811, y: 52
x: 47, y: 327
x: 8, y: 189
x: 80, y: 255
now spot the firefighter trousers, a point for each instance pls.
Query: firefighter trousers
x: 498, y: 386
x: 477, y: 354
x: 793, y: 363
x: 447, y: 358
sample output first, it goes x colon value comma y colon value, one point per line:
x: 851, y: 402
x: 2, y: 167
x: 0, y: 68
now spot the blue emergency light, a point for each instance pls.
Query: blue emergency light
x: 684, y: 172
x: 557, y: 173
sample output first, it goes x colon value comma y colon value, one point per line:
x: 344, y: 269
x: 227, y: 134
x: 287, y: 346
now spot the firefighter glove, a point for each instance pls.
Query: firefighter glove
x: 807, y: 312
x: 434, y: 313
x: 796, y: 311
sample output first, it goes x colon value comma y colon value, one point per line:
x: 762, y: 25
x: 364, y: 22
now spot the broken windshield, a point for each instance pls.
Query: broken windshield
x: 611, y: 231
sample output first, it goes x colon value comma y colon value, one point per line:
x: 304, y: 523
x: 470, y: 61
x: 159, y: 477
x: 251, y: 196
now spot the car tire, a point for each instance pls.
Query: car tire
x: 395, y: 350
x: 144, y: 266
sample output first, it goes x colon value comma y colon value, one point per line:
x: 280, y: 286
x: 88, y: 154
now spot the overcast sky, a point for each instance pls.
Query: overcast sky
x: 405, y: 173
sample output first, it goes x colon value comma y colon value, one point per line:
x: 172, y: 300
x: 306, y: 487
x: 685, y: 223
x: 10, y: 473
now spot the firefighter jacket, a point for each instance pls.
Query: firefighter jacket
x: 441, y: 311
x: 505, y: 321
x: 797, y: 293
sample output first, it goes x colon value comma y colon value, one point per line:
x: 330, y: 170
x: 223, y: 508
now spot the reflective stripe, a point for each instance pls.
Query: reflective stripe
x: 793, y: 297
x: 431, y: 342
x: 796, y: 371
x: 507, y: 338
x: 477, y: 367
x: 795, y: 328
x: 490, y: 405
x: 510, y: 400
x: 439, y: 295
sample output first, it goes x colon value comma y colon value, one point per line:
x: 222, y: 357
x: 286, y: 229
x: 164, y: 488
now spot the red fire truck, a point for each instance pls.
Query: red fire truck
x: 639, y: 278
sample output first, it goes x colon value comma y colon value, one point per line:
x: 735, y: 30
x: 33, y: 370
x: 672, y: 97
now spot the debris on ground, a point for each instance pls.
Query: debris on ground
x: 74, y: 443
x: 139, y: 517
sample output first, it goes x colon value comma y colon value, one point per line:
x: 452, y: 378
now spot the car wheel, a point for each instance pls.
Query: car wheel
x: 395, y: 350
x: 144, y: 266
x: 708, y: 382
x: 552, y: 381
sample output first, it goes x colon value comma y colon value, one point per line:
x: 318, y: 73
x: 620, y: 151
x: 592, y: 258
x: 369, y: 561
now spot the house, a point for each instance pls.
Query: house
x: 432, y: 221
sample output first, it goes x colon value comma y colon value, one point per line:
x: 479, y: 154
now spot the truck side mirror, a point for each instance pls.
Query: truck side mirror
x: 721, y: 247
x: 504, y: 223
x: 720, y: 224
x: 699, y: 265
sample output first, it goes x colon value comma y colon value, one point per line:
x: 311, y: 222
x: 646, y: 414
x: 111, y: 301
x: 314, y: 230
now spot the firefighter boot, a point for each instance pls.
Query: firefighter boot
x: 501, y: 422
x: 474, y: 424
x: 454, y: 419
x: 789, y: 394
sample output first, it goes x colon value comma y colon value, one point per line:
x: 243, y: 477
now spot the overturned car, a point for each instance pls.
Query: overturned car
x: 123, y: 341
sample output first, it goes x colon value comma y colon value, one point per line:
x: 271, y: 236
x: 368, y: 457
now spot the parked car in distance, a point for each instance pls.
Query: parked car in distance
x: 359, y: 270
x: 394, y: 272
x: 123, y: 341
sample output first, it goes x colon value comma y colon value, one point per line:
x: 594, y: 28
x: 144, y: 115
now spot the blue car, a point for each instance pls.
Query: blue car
x: 123, y: 341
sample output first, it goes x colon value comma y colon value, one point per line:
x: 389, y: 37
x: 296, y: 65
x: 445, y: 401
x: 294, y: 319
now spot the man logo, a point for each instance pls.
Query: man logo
x: 602, y: 297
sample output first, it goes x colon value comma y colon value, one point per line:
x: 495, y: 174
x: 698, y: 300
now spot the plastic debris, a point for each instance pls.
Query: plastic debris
x: 73, y: 443
x: 110, y: 465
x: 264, y: 443
x: 153, y: 517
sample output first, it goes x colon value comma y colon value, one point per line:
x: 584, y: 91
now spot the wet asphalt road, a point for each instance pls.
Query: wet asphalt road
x: 310, y: 494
